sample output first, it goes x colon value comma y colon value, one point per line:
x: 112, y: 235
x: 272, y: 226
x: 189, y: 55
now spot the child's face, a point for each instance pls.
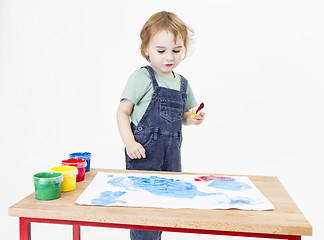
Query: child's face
x: 164, y: 53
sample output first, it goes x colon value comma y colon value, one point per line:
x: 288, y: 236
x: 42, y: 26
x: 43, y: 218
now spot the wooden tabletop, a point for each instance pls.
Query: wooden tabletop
x: 286, y: 219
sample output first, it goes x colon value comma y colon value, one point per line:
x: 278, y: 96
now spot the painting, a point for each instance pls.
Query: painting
x: 173, y: 191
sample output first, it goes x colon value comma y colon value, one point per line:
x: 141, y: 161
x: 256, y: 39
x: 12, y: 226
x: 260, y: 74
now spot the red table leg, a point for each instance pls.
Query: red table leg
x: 24, y: 227
x: 76, y: 232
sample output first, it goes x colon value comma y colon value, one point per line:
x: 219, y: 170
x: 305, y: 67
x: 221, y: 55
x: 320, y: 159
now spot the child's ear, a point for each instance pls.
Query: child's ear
x: 147, y: 56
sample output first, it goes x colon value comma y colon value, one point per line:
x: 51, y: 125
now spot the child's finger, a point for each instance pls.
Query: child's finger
x: 194, y: 121
x: 198, y: 119
x: 142, y: 152
x: 132, y: 156
x: 138, y: 154
x: 200, y: 116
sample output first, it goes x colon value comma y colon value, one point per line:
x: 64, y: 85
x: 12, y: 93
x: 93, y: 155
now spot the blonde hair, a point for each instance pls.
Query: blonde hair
x: 167, y: 21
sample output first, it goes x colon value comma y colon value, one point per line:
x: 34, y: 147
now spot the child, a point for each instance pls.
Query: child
x: 157, y: 101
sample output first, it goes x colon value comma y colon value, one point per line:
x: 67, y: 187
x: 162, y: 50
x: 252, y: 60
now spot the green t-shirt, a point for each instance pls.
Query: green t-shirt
x: 139, y: 90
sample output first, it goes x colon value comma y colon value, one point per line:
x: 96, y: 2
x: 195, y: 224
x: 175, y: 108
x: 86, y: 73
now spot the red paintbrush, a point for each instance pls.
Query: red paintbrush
x: 201, y: 106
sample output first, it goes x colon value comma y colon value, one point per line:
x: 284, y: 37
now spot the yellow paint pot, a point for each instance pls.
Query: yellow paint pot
x: 69, y: 177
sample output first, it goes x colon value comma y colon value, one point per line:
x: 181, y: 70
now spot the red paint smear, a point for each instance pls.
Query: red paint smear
x: 212, y: 177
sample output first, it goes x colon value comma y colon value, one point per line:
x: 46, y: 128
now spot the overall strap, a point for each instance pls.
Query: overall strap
x: 184, y: 85
x: 151, y: 72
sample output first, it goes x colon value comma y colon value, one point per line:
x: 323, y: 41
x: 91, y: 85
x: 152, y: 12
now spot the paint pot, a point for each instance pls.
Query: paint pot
x: 82, y: 155
x: 48, y: 185
x: 69, y: 177
x: 80, y: 164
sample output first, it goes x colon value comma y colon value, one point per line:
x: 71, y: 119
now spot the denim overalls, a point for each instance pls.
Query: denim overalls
x: 159, y: 132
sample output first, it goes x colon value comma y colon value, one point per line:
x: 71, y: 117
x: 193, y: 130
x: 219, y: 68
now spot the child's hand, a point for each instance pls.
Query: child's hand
x: 135, y: 150
x: 198, y: 118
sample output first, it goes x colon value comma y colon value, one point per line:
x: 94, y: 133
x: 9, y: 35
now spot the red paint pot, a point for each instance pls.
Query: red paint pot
x: 80, y: 164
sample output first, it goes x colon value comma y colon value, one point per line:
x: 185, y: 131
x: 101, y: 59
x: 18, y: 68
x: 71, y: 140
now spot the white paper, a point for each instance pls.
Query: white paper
x: 173, y: 191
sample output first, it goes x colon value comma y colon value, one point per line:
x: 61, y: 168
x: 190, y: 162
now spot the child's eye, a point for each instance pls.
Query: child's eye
x: 161, y: 51
x: 176, y: 51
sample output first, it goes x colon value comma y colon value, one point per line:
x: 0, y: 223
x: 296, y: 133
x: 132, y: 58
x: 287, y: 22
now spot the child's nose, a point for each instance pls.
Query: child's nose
x: 170, y: 56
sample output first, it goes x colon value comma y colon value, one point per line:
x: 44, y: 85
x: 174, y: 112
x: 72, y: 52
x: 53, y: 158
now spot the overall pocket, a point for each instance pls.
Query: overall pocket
x: 171, y: 110
x: 145, y: 137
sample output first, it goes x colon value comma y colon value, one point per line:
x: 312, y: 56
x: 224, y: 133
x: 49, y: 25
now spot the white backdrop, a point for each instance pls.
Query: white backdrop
x: 257, y: 65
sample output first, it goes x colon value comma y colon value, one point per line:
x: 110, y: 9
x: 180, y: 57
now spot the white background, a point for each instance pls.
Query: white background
x: 257, y: 65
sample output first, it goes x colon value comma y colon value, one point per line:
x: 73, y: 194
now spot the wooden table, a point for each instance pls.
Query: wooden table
x: 285, y: 222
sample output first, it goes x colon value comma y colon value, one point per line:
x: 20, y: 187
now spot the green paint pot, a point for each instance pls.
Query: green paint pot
x: 48, y: 185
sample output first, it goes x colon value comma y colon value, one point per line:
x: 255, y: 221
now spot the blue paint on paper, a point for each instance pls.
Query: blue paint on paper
x: 159, y: 186
x: 229, y: 185
x: 241, y: 201
x: 107, y: 198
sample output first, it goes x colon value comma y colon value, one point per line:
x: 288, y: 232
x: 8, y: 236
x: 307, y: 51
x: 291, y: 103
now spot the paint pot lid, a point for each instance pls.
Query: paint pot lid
x: 65, y: 170
x: 83, y: 155
x: 48, y: 177
x: 79, y: 163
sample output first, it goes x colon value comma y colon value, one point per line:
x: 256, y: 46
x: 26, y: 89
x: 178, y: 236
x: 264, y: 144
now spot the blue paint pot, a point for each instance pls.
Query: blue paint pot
x: 82, y: 155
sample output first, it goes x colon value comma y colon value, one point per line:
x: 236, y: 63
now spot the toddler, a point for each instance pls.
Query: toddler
x: 157, y: 101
